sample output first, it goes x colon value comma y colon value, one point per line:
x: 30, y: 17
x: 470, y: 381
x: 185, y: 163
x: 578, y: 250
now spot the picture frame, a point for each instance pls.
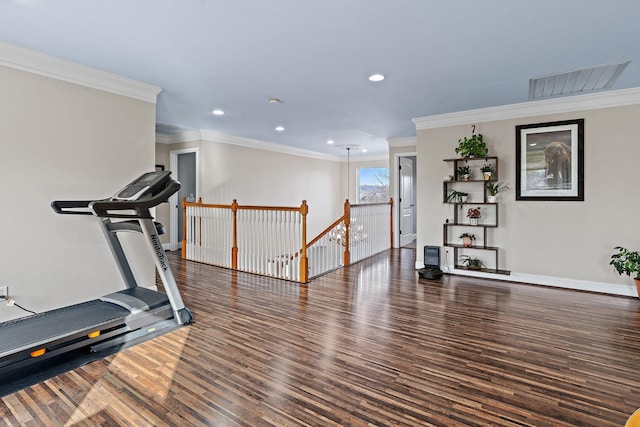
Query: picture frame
x: 550, y: 161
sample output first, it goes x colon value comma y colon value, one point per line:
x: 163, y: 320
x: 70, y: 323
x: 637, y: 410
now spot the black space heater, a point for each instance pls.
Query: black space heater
x: 431, y: 270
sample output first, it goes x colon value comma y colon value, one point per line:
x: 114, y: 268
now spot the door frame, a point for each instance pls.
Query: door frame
x: 395, y: 213
x: 173, y: 200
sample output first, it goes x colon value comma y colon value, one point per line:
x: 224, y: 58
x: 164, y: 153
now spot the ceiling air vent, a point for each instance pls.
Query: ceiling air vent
x: 578, y: 81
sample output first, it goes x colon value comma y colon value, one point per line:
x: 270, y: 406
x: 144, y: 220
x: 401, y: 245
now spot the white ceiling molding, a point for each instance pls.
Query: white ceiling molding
x: 617, y: 98
x: 408, y: 141
x: 176, y: 138
x: 208, y: 135
x: 50, y: 66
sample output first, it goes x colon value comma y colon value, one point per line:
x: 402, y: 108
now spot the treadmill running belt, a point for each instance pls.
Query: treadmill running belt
x: 28, y: 332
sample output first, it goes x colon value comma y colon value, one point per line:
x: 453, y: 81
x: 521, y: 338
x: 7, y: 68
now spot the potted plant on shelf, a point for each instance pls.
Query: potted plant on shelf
x: 627, y: 262
x: 467, y: 239
x: 472, y: 263
x: 487, y: 170
x: 494, y: 188
x: 457, y: 197
x: 473, y: 214
x: 472, y: 147
x: 463, y: 172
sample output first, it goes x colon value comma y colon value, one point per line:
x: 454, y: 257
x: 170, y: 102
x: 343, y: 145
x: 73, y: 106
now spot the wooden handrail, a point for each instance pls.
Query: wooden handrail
x: 325, y: 231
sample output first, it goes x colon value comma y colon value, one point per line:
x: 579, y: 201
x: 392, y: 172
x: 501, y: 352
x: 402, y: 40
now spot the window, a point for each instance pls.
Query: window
x: 373, y: 185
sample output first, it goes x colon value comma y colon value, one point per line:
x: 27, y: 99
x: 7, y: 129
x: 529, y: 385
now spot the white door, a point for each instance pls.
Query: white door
x: 407, y: 201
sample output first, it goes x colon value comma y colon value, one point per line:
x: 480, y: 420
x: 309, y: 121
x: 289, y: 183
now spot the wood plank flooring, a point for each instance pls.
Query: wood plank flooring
x: 369, y: 345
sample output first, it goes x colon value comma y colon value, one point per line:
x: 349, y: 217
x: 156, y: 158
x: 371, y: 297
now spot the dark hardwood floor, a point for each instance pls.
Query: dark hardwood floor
x: 369, y: 345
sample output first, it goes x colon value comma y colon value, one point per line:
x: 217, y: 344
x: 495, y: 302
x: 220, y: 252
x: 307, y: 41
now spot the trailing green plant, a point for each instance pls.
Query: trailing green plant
x: 456, y: 196
x: 496, y: 187
x: 487, y: 167
x: 626, y: 262
x: 463, y: 170
x: 469, y: 235
x: 472, y: 147
x: 472, y: 263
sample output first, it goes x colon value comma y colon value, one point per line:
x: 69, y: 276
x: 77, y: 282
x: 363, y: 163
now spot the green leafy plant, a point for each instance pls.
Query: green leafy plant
x: 487, y: 167
x: 469, y: 235
x: 497, y: 187
x: 463, y: 170
x: 472, y: 147
x: 626, y: 262
x: 456, y: 197
x: 472, y: 263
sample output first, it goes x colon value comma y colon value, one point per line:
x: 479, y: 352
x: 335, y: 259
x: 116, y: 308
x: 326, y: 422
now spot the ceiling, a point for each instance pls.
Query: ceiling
x: 316, y: 56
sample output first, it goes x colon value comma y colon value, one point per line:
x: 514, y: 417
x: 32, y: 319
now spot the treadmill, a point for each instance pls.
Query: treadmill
x: 29, y: 345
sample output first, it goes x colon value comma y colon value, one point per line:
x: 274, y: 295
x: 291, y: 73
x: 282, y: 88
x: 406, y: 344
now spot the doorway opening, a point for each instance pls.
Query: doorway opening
x: 184, y: 165
x: 407, y: 223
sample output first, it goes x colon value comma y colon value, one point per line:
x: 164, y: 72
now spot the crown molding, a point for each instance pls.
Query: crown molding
x: 402, y: 142
x: 24, y: 59
x: 609, y: 99
x: 223, y: 138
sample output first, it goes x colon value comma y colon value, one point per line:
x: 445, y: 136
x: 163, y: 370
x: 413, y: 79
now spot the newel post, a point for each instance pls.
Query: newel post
x: 347, y: 223
x: 391, y: 222
x: 234, y: 248
x: 184, y: 228
x: 304, y: 261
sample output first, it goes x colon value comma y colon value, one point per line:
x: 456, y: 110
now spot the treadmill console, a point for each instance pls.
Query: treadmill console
x: 148, y: 183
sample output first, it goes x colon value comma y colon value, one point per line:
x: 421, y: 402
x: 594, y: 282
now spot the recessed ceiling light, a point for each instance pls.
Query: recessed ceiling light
x: 280, y: 128
x: 331, y: 141
x: 274, y: 101
x: 218, y: 112
x: 376, y: 77
x: 364, y: 150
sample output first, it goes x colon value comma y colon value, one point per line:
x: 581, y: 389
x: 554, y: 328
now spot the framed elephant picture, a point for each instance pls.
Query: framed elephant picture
x: 550, y: 161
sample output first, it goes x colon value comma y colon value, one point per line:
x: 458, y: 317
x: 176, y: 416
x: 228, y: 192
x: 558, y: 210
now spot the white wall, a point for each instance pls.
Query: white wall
x: 265, y: 177
x: 59, y: 141
x: 559, y: 243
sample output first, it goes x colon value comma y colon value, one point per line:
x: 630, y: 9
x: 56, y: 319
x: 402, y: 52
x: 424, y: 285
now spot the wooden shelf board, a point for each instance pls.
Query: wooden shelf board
x: 483, y: 247
x: 484, y: 270
x: 462, y: 159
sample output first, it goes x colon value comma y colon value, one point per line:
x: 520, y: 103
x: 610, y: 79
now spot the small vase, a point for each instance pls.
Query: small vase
x: 473, y: 221
x: 466, y: 242
x: 465, y: 177
x: 492, y: 199
x: 637, y: 286
x: 487, y: 175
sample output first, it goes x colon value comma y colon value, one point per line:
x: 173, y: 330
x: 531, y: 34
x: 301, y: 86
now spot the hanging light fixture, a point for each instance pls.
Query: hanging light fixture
x: 357, y: 234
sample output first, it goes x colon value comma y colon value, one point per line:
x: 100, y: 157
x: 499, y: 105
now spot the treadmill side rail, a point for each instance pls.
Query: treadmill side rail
x: 181, y: 313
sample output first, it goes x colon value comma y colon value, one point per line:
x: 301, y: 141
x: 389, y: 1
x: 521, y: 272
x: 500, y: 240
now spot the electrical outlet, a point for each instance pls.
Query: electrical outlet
x: 4, y: 292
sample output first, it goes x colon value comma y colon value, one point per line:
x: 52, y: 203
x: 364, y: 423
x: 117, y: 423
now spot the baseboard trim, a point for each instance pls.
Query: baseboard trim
x: 556, y: 282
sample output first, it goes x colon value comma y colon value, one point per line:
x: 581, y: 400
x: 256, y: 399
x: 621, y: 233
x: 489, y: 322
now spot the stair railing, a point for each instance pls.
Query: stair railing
x: 272, y: 240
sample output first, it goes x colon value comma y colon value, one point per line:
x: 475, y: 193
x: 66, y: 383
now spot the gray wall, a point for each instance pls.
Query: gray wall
x: 64, y: 141
x: 560, y: 241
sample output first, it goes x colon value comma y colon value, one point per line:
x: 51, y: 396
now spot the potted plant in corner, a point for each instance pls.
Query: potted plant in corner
x: 494, y: 188
x: 472, y: 263
x: 627, y: 262
x: 487, y: 169
x: 473, y: 214
x: 463, y: 172
x: 472, y: 147
x: 467, y: 239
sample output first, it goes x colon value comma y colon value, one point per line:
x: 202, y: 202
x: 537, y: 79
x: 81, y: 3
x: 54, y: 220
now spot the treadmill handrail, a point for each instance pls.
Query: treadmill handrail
x: 66, y: 207
x: 141, y: 206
